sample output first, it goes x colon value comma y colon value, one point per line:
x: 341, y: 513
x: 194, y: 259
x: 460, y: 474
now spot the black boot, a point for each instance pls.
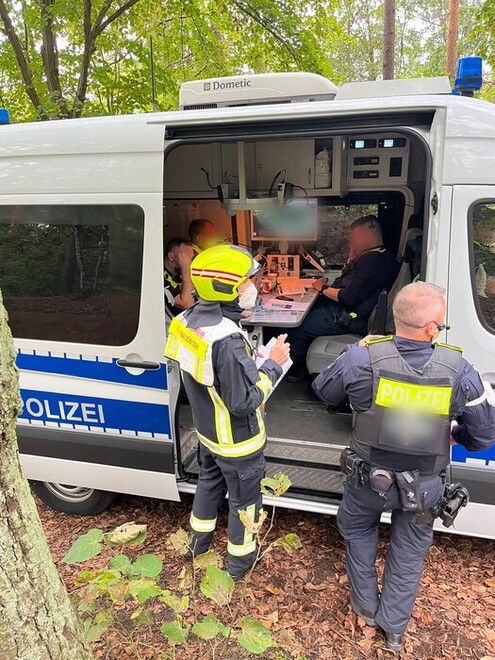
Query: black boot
x: 394, y: 641
x: 297, y: 373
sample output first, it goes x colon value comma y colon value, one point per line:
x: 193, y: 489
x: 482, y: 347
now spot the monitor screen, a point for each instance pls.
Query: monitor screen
x: 296, y: 221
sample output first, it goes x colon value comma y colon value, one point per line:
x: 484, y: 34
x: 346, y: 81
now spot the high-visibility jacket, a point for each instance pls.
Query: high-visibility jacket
x: 410, y: 411
x: 223, y: 384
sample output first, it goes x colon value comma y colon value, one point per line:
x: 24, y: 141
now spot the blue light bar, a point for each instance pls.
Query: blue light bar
x: 4, y: 116
x: 469, y: 75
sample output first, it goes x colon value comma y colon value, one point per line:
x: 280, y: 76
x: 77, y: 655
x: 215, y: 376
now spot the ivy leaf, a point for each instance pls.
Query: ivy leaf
x: 209, y: 628
x: 177, y: 603
x: 254, y: 637
x: 217, y: 585
x: 210, y: 558
x: 174, y: 632
x: 290, y: 543
x: 128, y: 534
x: 85, y: 547
x: 275, y: 486
x: 179, y: 541
x: 147, y: 566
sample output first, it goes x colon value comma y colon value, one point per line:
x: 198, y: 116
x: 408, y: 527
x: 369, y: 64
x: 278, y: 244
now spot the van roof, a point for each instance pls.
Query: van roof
x: 465, y: 117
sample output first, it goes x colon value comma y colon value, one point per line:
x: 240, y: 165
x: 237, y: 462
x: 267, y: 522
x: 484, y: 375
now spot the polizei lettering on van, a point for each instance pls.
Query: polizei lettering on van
x: 70, y: 411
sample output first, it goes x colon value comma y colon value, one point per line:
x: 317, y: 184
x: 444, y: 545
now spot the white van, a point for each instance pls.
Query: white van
x: 86, y: 205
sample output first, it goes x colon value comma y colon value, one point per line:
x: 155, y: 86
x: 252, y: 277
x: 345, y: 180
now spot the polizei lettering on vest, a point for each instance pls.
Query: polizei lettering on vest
x: 69, y: 411
x: 231, y: 84
x: 424, y: 398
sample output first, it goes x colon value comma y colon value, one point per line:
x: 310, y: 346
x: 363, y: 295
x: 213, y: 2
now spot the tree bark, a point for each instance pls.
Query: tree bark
x: 37, y: 620
x: 452, y: 36
x: 388, y: 39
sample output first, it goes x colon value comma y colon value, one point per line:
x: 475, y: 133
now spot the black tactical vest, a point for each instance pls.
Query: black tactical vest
x: 408, y: 424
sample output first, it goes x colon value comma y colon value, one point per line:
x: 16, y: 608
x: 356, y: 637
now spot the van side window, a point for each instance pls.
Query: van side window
x: 72, y: 273
x: 483, y: 259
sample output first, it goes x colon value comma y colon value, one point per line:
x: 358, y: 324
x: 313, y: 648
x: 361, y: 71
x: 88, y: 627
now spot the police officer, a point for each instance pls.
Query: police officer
x: 405, y: 390
x: 176, y: 275
x: 347, y: 304
x: 226, y: 391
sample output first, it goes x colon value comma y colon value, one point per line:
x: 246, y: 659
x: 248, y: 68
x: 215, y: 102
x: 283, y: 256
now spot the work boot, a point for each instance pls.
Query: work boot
x: 296, y: 374
x: 369, y: 617
x: 394, y: 641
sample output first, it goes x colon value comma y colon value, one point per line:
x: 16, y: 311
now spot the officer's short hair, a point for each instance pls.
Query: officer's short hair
x: 417, y: 304
x: 176, y: 242
x: 370, y: 221
x: 196, y: 227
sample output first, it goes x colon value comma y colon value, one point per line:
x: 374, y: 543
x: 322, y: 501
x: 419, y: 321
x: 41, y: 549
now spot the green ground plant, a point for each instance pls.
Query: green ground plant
x: 136, y: 585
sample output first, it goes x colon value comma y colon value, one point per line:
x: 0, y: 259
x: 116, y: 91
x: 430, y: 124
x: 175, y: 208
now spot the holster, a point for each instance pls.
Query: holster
x: 409, y: 490
x: 352, y: 466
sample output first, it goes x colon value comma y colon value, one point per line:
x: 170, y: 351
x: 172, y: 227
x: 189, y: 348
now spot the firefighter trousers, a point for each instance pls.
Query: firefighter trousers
x: 410, y: 539
x: 241, y: 479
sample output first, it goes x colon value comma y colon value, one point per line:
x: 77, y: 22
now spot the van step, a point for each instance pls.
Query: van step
x: 311, y: 466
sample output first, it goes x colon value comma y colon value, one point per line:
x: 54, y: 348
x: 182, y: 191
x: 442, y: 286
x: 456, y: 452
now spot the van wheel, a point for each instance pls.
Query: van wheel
x: 77, y: 500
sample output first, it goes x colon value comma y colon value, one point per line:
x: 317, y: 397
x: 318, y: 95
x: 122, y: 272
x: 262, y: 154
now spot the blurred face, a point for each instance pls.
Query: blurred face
x: 208, y: 236
x: 361, y: 239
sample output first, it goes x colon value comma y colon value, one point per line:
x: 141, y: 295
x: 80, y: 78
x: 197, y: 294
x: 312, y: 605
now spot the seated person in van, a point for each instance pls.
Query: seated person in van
x: 346, y: 305
x: 177, y: 275
x: 203, y: 235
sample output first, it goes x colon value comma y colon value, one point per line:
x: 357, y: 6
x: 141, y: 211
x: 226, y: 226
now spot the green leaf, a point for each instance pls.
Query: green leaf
x: 179, y: 541
x: 144, y: 589
x: 147, y: 566
x: 94, y: 630
x: 210, y: 558
x: 128, y: 534
x: 275, y: 486
x: 254, y: 637
x: 85, y: 547
x: 217, y: 585
x: 290, y: 542
x: 120, y: 562
x: 209, y: 628
x: 86, y: 607
x: 177, y: 603
x: 174, y: 632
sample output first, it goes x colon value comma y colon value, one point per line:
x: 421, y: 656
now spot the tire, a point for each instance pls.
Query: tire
x: 77, y: 500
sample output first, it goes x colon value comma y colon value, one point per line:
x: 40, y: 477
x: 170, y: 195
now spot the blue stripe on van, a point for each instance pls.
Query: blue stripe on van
x: 459, y: 455
x: 71, y: 412
x: 83, y: 367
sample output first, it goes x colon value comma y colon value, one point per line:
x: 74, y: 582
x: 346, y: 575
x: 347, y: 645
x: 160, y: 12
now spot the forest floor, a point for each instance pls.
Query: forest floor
x: 303, y: 597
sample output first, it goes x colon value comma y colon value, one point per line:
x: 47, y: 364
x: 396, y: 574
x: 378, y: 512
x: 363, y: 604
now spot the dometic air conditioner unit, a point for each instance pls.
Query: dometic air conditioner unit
x: 255, y: 89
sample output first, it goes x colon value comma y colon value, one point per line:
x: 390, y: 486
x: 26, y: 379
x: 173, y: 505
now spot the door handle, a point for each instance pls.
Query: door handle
x: 130, y: 364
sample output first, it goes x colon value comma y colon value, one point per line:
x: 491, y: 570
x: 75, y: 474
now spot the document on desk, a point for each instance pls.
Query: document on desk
x: 286, y: 305
x: 270, y: 315
x: 263, y: 353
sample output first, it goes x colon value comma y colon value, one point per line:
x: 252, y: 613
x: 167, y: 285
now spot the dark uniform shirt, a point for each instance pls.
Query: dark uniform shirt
x: 361, y: 282
x: 172, y: 286
x: 351, y: 376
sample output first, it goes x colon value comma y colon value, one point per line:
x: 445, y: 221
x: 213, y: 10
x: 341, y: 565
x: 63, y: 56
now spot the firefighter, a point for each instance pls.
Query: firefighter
x: 226, y: 391
x: 405, y: 390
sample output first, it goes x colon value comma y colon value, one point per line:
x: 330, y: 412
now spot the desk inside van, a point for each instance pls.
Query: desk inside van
x: 272, y: 312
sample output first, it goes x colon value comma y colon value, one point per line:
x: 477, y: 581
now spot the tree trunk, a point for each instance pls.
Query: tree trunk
x: 388, y: 39
x: 37, y: 620
x: 452, y: 36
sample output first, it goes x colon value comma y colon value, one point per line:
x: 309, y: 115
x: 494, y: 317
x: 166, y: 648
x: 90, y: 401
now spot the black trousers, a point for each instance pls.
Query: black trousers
x: 241, y: 479
x: 358, y: 520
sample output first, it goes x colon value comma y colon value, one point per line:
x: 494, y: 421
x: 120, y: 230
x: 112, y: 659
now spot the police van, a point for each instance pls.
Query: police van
x: 86, y: 205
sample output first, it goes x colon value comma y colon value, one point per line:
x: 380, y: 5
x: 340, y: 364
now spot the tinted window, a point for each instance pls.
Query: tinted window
x: 483, y: 257
x: 72, y: 273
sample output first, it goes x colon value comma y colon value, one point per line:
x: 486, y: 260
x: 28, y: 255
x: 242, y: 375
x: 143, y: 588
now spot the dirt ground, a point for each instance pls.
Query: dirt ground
x: 303, y: 598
